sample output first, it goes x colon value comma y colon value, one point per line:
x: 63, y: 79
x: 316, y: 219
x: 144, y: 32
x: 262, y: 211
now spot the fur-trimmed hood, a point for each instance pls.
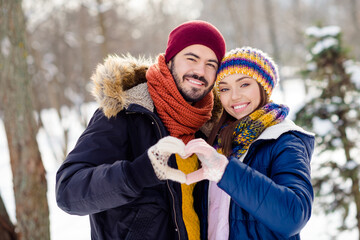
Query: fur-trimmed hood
x: 121, y: 81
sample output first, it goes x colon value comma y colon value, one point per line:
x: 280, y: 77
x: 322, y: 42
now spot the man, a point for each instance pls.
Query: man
x: 118, y: 172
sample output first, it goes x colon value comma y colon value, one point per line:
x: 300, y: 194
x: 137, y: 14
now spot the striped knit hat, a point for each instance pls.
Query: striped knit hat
x: 252, y: 62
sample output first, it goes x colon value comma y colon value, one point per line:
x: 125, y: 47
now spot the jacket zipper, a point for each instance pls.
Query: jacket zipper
x: 167, y: 181
x: 173, y: 198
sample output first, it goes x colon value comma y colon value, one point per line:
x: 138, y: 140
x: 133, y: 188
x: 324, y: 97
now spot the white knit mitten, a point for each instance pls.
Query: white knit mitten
x: 159, y: 155
x: 213, y: 163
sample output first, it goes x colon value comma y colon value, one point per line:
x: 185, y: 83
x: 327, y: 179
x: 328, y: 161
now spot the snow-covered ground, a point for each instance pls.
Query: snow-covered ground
x: 64, y: 226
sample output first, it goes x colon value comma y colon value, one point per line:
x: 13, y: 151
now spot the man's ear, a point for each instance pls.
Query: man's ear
x: 169, y: 64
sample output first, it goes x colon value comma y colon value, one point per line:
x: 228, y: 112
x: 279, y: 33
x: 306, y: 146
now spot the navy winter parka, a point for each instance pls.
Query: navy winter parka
x: 108, y: 174
x: 270, y: 186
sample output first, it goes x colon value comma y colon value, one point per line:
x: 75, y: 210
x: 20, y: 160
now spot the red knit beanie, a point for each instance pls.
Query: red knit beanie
x: 195, y: 32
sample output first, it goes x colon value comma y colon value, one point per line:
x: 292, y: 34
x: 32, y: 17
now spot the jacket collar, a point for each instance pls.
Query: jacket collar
x: 277, y: 130
x: 139, y: 95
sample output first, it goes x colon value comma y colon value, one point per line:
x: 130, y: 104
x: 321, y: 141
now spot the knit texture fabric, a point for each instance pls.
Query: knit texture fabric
x: 252, y: 62
x: 195, y: 32
x: 190, y: 217
x: 251, y: 126
x: 180, y: 118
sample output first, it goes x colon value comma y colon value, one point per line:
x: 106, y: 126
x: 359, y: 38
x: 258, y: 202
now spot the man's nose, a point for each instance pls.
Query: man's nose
x: 199, y: 69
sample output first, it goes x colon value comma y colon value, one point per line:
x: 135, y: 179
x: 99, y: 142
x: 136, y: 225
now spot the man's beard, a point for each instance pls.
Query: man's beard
x: 194, y: 94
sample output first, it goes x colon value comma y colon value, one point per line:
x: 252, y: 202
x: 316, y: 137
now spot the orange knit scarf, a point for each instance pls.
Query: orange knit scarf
x: 180, y: 118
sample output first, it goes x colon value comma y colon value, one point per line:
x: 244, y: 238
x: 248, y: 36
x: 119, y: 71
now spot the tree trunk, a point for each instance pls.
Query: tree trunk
x: 354, y: 8
x: 101, y: 19
x: 356, y: 193
x: 7, y: 229
x: 236, y: 21
x: 85, y: 56
x: 270, y: 20
x: 30, y: 185
x: 251, y: 26
x: 298, y: 31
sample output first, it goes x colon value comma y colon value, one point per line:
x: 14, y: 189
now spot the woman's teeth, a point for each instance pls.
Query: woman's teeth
x: 239, y: 106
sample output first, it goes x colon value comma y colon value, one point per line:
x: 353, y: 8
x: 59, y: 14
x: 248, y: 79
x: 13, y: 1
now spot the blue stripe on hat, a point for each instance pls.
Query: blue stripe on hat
x: 234, y: 62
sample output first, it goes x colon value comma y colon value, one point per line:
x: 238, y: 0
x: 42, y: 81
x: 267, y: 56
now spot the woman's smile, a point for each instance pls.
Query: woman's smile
x: 239, y: 107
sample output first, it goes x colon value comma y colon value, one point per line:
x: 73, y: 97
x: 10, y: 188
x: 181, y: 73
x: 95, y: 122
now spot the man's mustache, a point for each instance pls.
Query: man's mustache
x: 195, y: 76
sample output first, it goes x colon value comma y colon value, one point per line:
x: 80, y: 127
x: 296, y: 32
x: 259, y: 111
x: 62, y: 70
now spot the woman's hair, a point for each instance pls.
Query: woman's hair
x: 226, y: 134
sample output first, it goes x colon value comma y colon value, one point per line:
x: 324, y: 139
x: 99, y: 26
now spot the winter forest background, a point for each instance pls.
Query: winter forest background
x: 49, y: 49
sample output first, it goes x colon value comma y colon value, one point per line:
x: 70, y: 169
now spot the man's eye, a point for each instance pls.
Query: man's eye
x: 212, y: 66
x: 191, y: 59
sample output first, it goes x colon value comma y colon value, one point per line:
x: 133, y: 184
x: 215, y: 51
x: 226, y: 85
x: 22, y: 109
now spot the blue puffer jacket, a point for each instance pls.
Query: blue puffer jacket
x: 270, y: 187
x: 108, y: 174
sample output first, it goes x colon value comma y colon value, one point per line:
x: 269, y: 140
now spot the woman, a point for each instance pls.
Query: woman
x: 260, y: 184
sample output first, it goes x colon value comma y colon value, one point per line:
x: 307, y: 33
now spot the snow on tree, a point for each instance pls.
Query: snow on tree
x: 332, y: 111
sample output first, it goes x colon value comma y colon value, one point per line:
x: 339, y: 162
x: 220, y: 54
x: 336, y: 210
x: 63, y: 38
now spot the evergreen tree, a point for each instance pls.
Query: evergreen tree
x: 332, y: 111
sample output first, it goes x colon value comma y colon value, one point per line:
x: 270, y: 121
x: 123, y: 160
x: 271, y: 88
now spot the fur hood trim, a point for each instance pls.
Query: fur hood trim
x: 120, y: 81
x: 113, y: 78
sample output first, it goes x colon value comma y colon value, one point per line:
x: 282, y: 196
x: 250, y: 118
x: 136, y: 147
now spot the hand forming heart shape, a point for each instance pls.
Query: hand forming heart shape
x: 213, y: 163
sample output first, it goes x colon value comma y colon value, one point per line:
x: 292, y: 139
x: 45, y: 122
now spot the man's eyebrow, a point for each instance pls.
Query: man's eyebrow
x: 196, y: 56
x: 214, y: 61
x: 192, y: 54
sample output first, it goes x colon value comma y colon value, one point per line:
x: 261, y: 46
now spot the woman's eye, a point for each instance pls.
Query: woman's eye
x: 223, y: 90
x: 244, y: 85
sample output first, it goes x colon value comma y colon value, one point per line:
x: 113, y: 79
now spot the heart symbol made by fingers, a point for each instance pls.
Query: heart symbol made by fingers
x: 159, y: 155
x: 212, y: 163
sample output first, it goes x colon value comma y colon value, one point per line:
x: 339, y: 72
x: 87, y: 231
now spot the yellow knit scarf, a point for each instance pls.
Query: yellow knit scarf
x: 190, y: 217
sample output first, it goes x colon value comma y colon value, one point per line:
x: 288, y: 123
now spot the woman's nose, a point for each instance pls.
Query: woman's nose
x: 235, y: 93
